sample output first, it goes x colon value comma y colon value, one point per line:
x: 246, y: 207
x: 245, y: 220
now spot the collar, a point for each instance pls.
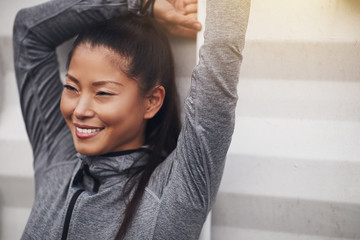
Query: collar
x: 106, y: 170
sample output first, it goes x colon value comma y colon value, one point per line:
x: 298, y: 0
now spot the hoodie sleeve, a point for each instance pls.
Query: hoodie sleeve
x: 192, y: 173
x: 37, y: 33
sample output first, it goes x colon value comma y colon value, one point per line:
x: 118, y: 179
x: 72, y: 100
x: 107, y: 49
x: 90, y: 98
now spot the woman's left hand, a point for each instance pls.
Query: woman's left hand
x: 178, y: 17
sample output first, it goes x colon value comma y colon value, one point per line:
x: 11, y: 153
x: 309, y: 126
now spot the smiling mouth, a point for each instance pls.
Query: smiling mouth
x: 84, y: 133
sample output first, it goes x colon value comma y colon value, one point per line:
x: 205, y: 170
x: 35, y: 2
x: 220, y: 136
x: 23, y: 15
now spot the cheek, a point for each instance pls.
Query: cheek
x: 127, y: 111
x: 112, y: 114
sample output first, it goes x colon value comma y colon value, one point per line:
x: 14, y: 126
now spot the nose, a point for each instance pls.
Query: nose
x: 84, y: 108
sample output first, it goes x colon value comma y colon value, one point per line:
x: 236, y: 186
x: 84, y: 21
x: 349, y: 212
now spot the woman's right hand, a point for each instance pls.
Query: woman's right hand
x: 178, y: 17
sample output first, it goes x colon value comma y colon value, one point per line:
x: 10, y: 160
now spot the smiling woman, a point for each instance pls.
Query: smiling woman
x: 112, y: 87
x: 111, y: 161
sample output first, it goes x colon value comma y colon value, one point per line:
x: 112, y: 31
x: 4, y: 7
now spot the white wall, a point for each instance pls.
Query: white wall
x: 293, y: 167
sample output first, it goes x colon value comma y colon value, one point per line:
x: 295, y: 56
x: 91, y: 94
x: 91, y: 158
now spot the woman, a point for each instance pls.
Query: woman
x: 134, y: 176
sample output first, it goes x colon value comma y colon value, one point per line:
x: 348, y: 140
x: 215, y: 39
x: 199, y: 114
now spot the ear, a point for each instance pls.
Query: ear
x: 154, y: 101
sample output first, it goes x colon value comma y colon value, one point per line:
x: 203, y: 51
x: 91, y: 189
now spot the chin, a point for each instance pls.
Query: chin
x: 86, y: 150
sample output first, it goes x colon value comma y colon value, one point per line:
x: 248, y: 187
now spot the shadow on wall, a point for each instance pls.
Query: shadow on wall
x: 290, y: 215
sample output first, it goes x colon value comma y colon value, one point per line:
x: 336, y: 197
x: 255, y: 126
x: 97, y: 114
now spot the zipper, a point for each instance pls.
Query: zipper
x: 69, y: 213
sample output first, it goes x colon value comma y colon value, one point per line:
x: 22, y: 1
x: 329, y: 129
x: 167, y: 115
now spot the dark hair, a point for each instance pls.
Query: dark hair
x: 146, y: 49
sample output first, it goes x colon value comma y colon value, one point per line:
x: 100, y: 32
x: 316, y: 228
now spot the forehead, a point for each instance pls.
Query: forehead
x: 101, y: 54
x: 90, y: 64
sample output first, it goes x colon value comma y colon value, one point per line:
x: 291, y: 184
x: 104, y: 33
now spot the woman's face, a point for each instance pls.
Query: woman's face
x: 103, y: 108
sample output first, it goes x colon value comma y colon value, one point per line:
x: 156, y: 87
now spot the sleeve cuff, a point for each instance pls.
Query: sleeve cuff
x: 147, y: 8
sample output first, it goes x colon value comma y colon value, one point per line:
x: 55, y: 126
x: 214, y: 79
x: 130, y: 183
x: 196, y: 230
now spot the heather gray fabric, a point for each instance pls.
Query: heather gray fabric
x: 182, y: 189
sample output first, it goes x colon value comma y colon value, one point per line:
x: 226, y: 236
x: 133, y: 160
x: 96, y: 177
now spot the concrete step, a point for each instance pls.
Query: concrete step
x: 292, y: 216
x: 331, y: 60
x: 16, y: 198
x: 264, y: 198
x: 16, y: 158
x: 236, y: 233
x: 17, y: 191
x: 293, y: 178
x: 299, y: 99
x: 297, y: 139
x: 12, y: 222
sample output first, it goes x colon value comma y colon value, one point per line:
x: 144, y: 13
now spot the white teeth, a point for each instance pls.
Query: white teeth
x: 83, y: 130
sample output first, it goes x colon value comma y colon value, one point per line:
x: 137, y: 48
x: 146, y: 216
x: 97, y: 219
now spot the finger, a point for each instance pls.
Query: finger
x: 185, y: 21
x: 177, y: 30
x: 191, y: 8
x: 192, y: 15
x: 181, y: 31
x: 190, y: 1
x: 179, y: 6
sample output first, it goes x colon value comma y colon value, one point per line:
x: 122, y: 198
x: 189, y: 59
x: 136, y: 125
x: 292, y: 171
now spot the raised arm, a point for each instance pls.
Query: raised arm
x: 210, y: 105
x: 37, y: 33
x: 195, y: 167
x: 212, y: 101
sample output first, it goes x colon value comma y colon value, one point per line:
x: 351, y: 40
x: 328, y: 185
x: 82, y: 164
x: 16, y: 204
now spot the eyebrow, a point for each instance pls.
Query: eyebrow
x: 101, y: 83
x: 97, y: 83
x: 71, y: 78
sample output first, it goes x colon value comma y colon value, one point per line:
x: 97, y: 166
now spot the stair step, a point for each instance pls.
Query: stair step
x: 17, y: 191
x: 292, y: 178
x: 305, y: 60
x: 287, y: 215
x: 299, y: 99
x: 297, y: 139
x: 16, y: 158
x: 13, y: 221
x: 235, y: 233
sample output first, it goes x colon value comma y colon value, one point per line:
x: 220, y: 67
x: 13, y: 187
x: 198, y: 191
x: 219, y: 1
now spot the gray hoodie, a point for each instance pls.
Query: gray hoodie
x: 84, y: 193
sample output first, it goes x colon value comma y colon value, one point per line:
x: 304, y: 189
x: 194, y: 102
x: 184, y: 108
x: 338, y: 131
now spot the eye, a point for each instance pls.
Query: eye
x: 70, y: 88
x: 102, y: 93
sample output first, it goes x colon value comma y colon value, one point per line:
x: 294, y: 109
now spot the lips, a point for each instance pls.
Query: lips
x: 85, y: 132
